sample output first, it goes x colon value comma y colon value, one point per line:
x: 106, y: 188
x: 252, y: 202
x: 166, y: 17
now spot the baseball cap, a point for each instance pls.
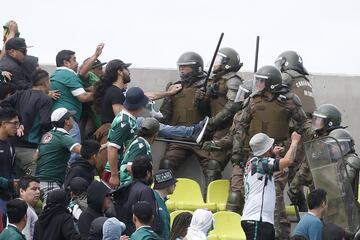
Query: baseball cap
x: 61, y: 113
x: 135, y: 99
x: 150, y: 125
x: 260, y: 143
x: 96, y: 64
x: 164, y: 178
x: 16, y: 44
x: 116, y: 64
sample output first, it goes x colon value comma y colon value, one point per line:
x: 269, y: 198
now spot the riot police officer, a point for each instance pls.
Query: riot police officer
x: 295, y: 76
x: 182, y: 109
x: 351, y: 159
x: 269, y: 109
x: 326, y: 118
x: 220, y: 97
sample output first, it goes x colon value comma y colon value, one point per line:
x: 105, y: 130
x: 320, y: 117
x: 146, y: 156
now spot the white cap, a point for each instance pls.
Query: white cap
x: 260, y: 143
x: 59, y: 113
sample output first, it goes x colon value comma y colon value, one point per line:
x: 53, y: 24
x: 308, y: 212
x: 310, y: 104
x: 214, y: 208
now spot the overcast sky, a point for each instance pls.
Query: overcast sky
x: 154, y: 33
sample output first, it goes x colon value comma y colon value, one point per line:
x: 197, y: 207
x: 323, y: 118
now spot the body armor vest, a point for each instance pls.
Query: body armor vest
x: 219, y: 99
x: 184, y: 112
x: 270, y: 118
x: 301, y: 86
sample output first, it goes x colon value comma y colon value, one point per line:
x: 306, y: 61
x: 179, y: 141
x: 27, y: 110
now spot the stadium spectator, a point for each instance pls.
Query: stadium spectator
x: 180, y: 226
x: 142, y: 217
x: 16, y: 210
x: 29, y: 191
x: 78, y: 197
x: 201, y: 224
x: 310, y: 225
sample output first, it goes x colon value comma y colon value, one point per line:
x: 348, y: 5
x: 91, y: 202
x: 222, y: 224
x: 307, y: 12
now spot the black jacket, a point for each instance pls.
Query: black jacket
x: 55, y: 223
x: 80, y: 168
x: 21, y: 72
x: 95, y: 197
x: 139, y: 191
x: 35, y: 108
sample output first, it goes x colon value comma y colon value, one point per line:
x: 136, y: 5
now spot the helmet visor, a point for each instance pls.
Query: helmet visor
x: 279, y: 63
x: 219, y: 60
x: 259, y: 83
x: 345, y: 145
x: 242, y: 94
x: 318, y: 122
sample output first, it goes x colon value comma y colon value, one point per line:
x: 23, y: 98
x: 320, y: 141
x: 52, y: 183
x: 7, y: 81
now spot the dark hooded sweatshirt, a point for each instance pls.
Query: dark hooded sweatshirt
x: 80, y: 168
x: 95, y: 197
x: 55, y: 222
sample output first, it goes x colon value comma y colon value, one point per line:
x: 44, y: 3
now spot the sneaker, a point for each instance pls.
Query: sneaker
x: 199, y: 130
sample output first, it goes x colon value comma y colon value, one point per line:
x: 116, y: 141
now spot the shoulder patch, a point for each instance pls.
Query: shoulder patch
x: 46, y: 138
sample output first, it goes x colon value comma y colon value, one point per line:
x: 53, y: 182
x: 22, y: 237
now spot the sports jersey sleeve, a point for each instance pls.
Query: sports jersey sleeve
x: 269, y: 167
x: 135, y: 151
x: 75, y: 86
x: 119, y: 134
x: 68, y: 142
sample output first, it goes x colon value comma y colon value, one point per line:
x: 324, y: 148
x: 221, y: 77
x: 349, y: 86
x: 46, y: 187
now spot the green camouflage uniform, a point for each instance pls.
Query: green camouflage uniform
x: 221, y: 93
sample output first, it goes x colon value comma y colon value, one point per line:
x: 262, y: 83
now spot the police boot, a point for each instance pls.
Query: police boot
x: 235, y: 202
x: 166, y: 164
x: 212, y: 173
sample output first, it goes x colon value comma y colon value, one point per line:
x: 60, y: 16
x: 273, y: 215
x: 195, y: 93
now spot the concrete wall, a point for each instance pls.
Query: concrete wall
x: 341, y: 90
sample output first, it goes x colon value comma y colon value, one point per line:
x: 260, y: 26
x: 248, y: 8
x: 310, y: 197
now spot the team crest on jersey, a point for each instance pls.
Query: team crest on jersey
x: 46, y: 138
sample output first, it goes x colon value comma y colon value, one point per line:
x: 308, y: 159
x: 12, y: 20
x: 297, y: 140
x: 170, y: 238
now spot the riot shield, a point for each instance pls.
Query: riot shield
x: 328, y: 170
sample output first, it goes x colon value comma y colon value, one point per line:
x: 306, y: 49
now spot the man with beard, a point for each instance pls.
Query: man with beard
x: 139, y: 190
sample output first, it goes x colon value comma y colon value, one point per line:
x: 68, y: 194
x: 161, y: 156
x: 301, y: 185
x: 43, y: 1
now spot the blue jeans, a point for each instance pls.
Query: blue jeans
x: 167, y: 131
x: 75, y: 134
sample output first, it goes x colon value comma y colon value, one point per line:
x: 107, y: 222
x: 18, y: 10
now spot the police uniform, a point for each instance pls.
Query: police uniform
x: 222, y: 93
x: 181, y: 109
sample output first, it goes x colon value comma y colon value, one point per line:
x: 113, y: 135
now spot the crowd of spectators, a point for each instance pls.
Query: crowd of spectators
x: 76, y: 160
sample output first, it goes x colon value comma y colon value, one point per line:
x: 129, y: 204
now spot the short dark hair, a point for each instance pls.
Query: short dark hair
x: 7, y: 114
x: 38, y: 77
x: 16, y: 210
x: 143, y: 211
x: 141, y: 165
x: 6, y: 89
x: 63, y: 55
x: 316, y: 198
x: 25, y: 181
x: 61, y: 122
x: 89, y: 148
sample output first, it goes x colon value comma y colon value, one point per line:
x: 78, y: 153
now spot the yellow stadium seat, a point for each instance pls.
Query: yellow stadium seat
x: 290, y: 210
x: 175, y: 213
x: 187, y: 196
x: 218, y: 192
x: 227, y: 226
